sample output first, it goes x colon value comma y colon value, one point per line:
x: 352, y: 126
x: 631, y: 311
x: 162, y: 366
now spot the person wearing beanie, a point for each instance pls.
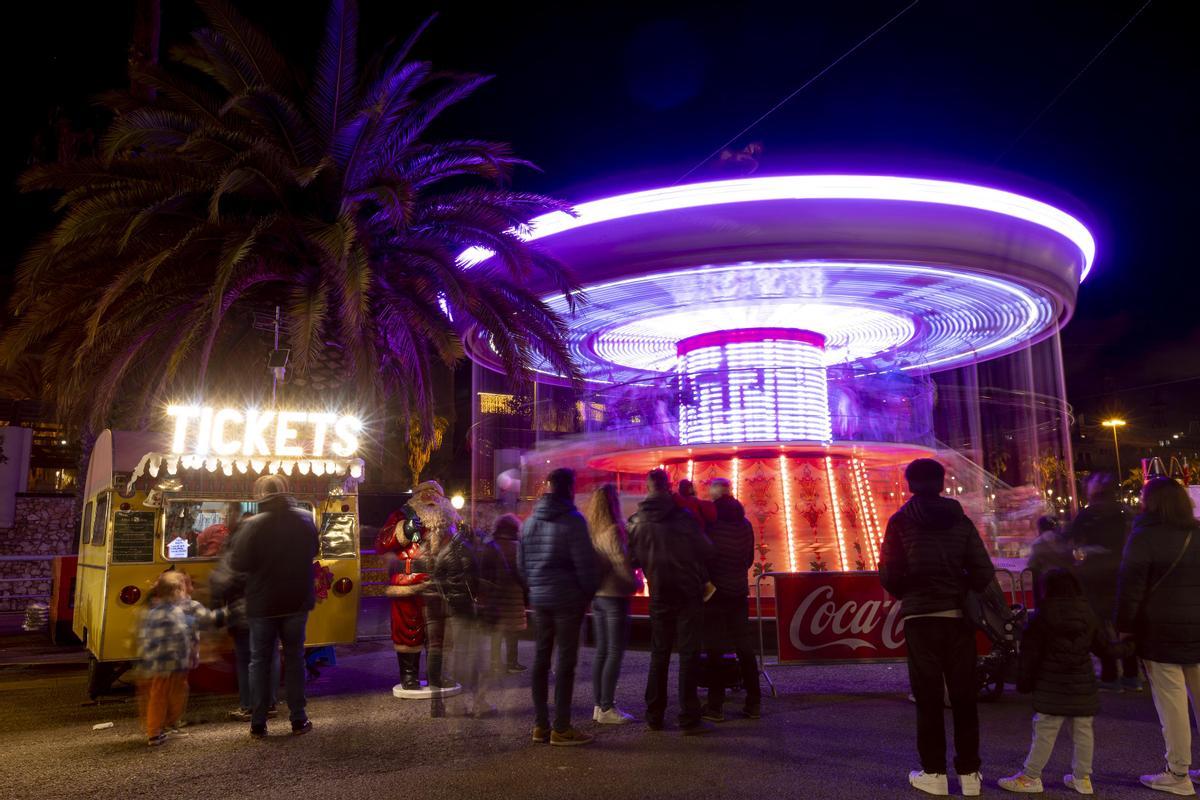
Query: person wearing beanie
x: 275, y: 549
x: 931, y: 557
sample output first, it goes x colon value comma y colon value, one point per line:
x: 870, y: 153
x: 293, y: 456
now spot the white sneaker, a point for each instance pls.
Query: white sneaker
x: 614, y: 716
x: 971, y: 784
x: 595, y: 713
x: 1021, y: 784
x: 1082, y: 785
x: 1165, y: 781
x: 930, y: 784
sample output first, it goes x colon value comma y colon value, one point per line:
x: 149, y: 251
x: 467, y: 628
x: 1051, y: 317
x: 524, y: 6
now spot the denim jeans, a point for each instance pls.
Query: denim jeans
x: 266, y: 634
x: 555, y: 629
x: 941, y: 651
x: 241, y: 652
x: 668, y: 621
x: 610, y: 624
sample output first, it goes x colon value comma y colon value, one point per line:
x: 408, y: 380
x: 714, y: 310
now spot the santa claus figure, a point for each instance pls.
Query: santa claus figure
x: 401, y: 540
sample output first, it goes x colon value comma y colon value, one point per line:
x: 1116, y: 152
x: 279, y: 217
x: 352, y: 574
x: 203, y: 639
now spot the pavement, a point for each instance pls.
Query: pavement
x: 833, y: 732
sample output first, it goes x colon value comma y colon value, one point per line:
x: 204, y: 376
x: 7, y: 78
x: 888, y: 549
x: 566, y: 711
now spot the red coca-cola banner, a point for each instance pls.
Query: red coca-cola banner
x: 836, y: 616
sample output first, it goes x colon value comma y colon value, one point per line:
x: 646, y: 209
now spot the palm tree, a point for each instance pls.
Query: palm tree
x: 243, y: 184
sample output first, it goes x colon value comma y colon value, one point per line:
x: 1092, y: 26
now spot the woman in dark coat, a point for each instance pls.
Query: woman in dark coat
x: 503, y: 595
x: 1056, y: 665
x: 1158, y: 603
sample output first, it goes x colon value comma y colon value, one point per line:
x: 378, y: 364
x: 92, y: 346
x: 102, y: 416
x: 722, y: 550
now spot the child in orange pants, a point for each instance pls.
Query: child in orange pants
x: 169, y: 640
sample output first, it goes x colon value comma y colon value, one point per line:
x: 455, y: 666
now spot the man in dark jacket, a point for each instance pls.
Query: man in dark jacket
x: 275, y: 549
x: 727, y: 613
x: 557, y: 562
x: 1099, y: 531
x: 667, y: 543
x: 931, y: 556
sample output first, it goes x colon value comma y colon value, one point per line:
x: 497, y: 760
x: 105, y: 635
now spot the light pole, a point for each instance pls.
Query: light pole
x: 1115, y: 423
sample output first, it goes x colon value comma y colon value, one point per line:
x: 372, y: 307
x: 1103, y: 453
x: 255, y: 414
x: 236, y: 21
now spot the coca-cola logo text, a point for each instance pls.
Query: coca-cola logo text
x: 820, y: 623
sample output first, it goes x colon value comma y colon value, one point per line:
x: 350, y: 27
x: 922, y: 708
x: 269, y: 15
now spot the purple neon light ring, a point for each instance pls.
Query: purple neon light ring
x: 742, y: 335
x: 894, y: 273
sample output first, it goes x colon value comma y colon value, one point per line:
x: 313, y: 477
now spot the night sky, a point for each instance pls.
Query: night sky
x: 613, y: 96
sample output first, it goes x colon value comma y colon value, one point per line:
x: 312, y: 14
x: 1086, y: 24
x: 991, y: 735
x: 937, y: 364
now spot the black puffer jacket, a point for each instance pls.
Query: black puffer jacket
x: 932, y: 555
x: 1165, y: 623
x: 275, y: 549
x: 1056, y: 661
x: 666, y: 542
x: 733, y: 545
x: 555, y: 557
x: 1101, y: 529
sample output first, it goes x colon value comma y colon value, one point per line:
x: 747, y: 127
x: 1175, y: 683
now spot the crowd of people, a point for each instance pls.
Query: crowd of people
x: 1122, y: 588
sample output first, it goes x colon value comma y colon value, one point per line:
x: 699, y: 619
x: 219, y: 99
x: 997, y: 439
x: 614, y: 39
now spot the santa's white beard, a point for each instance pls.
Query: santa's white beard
x: 439, y: 520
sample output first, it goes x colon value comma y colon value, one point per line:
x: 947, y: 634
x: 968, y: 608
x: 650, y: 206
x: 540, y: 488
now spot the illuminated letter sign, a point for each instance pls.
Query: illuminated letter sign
x: 201, y: 430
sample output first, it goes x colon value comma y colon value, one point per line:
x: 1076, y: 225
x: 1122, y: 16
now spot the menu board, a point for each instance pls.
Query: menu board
x: 133, y: 537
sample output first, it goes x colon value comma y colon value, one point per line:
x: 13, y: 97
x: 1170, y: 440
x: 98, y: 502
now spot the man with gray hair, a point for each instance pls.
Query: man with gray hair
x: 275, y: 549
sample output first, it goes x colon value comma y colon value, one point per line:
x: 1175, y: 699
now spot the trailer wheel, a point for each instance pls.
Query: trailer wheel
x: 100, y: 677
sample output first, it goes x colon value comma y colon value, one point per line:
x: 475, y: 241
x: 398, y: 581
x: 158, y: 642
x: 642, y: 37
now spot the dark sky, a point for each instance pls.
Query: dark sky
x: 612, y: 96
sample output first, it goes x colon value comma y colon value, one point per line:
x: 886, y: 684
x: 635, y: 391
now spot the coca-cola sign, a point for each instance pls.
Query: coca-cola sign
x: 836, y: 616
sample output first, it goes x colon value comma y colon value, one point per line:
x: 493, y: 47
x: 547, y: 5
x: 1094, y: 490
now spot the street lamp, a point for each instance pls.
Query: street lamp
x: 1114, y: 424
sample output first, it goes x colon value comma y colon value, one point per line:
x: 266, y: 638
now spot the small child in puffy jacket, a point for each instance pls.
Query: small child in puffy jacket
x: 168, y: 644
x: 1056, y: 665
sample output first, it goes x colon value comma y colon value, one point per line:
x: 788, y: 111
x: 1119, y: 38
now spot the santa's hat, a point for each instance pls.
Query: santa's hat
x: 429, y: 486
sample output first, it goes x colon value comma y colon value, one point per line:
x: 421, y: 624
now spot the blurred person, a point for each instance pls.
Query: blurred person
x: 1056, y: 665
x: 557, y: 562
x: 1052, y: 549
x: 666, y: 542
x: 227, y: 587
x: 703, y: 510
x: 727, y: 614
x: 452, y: 635
x: 610, y: 606
x: 931, y: 557
x: 1099, y: 532
x: 502, y: 593
x: 168, y: 648
x: 275, y: 549
x: 1158, y: 605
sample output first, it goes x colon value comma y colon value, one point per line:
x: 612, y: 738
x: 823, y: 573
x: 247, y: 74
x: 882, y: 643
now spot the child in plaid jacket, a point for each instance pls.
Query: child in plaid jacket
x: 168, y: 642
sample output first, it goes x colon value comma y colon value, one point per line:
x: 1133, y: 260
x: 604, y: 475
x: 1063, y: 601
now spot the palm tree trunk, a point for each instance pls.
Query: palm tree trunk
x: 143, y: 49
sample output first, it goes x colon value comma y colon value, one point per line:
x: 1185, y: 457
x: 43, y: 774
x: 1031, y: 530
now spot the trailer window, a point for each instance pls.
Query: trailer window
x: 338, y: 532
x: 100, y: 519
x: 197, y: 529
x: 85, y: 528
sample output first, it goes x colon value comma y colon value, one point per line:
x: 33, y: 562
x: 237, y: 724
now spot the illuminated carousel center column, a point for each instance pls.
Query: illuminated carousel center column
x: 754, y: 385
x: 755, y: 411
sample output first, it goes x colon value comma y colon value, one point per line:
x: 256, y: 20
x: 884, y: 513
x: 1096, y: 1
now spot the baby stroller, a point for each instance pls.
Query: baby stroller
x: 1003, y: 624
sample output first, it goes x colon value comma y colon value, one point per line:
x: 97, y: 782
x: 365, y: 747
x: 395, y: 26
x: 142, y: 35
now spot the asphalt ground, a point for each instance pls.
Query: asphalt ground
x: 833, y: 732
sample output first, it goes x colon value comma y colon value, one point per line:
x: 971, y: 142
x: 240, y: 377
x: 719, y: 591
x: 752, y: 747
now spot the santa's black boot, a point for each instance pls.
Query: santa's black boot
x: 410, y: 666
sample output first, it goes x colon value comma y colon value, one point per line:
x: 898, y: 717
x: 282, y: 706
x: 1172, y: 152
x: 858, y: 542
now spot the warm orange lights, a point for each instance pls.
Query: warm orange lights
x: 836, y: 511
x: 787, y: 511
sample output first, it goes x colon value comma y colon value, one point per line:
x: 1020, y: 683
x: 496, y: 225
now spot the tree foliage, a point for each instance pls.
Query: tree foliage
x: 248, y: 183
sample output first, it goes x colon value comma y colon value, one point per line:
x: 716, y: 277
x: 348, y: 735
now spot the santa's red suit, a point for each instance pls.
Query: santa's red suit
x: 408, y: 606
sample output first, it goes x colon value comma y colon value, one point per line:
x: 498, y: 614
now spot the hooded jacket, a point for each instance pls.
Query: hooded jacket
x: 1101, y: 529
x: 1165, y: 623
x: 275, y: 549
x: 667, y: 543
x: 1056, y: 660
x: 932, y: 555
x: 555, y: 555
x: 733, y: 545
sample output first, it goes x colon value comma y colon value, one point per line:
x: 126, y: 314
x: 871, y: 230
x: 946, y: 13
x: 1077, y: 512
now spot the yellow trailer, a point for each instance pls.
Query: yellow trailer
x: 150, y: 506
